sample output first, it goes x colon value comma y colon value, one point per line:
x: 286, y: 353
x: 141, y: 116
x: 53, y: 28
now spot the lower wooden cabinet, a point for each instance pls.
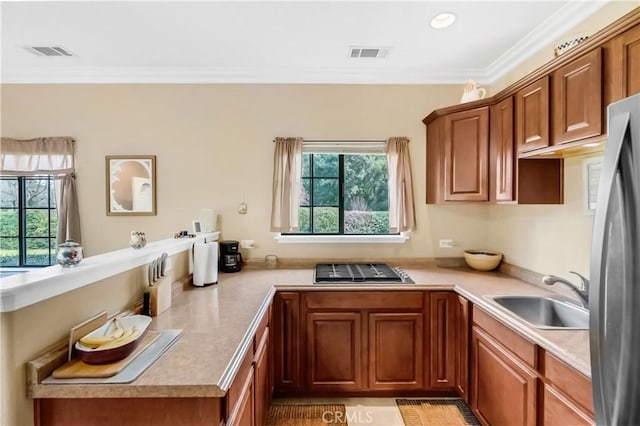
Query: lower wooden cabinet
x: 396, y: 351
x: 558, y: 410
x: 263, y: 389
x: 443, y: 331
x: 503, y: 387
x: 463, y: 335
x: 334, y: 351
x: 286, y: 342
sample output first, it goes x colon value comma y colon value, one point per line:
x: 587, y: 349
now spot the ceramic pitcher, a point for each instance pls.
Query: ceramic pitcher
x: 472, y: 92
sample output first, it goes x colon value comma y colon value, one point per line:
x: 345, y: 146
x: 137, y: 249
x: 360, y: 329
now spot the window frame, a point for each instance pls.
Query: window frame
x: 22, y: 210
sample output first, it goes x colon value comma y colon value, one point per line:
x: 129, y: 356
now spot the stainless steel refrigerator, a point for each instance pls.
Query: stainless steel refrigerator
x: 615, y: 272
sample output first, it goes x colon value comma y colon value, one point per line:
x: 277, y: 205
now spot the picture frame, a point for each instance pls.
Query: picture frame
x: 131, y: 185
x: 197, y: 226
x: 590, y: 179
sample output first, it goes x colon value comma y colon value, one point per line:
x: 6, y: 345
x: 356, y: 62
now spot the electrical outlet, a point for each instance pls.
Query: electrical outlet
x: 446, y: 243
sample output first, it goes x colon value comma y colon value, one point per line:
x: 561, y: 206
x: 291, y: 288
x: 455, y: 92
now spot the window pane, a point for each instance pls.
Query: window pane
x: 9, y: 255
x: 305, y: 192
x: 325, y: 220
x: 37, y: 223
x: 325, y: 192
x: 37, y: 251
x: 9, y: 223
x: 54, y: 222
x: 306, y: 165
x: 37, y: 192
x: 325, y: 165
x: 305, y: 227
x: 366, y: 194
x: 9, y: 192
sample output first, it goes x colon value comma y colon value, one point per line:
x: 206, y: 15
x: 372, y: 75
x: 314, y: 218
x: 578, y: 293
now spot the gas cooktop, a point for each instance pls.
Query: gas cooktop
x: 356, y: 273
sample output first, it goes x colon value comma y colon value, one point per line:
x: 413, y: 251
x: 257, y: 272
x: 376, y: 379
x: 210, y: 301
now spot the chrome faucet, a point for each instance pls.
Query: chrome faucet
x: 583, y: 293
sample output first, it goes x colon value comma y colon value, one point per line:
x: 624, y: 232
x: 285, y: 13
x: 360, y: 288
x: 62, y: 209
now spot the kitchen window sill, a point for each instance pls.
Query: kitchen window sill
x: 342, y: 239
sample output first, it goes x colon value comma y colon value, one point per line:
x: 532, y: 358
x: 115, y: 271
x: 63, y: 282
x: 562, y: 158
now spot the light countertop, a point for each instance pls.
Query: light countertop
x: 219, y: 321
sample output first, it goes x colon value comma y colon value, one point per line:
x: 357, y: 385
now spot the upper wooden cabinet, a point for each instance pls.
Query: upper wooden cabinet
x: 532, y: 116
x: 466, y: 155
x: 622, y: 65
x: 503, y: 161
x: 577, y: 99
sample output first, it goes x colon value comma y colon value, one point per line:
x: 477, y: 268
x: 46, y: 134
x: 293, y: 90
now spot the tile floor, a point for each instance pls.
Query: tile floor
x: 360, y: 411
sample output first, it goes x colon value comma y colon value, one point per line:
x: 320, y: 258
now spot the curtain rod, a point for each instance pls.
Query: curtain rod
x: 342, y: 140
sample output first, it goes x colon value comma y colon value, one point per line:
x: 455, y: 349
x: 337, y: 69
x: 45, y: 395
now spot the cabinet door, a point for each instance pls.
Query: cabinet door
x: 622, y: 66
x: 532, y: 116
x: 334, y: 351
x: 502, y: 173
x: 396, y: 355
x: 262, y: 397
x: 503, y: 388
x: 558, y: 410
x: 286, y: 332
x: 466, y: 155
x: 463, y: 321
x: 577, y: 99
x: 244, y: 416
x: 442, y: 319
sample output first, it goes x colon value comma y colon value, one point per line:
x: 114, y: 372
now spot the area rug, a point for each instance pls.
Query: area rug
x: 307, y: 415
x: 440, y: 412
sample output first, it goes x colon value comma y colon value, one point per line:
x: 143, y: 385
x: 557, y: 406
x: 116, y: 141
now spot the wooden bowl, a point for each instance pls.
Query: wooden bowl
x: 116, y: 353
x: 482, y: 260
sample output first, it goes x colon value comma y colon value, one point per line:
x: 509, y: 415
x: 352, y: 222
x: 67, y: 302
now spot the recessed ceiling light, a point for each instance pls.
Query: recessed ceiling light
x: 442, y: 20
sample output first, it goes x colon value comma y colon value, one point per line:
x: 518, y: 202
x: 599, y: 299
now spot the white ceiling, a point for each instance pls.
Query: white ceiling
x: 277, y: 42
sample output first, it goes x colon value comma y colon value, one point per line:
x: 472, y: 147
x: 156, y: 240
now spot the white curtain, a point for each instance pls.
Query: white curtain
x: 287, y: 176
x: 401, y: 205
x: 47, y: 156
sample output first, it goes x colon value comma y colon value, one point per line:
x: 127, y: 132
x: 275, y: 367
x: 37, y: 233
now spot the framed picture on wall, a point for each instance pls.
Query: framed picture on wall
x: 131, y: 185
x: 590, y: 179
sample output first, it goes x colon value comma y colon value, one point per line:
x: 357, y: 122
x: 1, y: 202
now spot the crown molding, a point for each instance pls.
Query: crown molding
x: 206, y: 75
x: 548, y: 32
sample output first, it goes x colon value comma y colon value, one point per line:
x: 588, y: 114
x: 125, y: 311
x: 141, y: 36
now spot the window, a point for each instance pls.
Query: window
x: 344, y: 194
x: 28, y: 221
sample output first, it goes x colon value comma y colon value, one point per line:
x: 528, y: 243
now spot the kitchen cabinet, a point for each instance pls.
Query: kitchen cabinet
x: 532, y: 116
x: 466, y: 155
x: 443, y: 334
x: 577, y: 99
x: 334, y: 351
x: 504, y: 388
x: 286, y: 342
x: 567, y: 397
x: 502, y: 159
x: 396, y: 345
x: 463, y: 335
x: 263, y: 389
x: 622, y: 66
x: 359, y: 341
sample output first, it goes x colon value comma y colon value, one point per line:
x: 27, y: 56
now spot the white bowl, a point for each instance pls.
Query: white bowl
x: 112, y: 354
x: 482, y: 260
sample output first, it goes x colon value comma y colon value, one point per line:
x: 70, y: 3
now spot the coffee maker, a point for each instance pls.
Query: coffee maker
x: 230, y: 258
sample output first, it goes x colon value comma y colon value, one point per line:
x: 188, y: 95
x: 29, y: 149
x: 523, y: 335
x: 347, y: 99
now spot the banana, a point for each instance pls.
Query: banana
x: 95, y: 341
x: 118, y: 330
x: 129, y: 335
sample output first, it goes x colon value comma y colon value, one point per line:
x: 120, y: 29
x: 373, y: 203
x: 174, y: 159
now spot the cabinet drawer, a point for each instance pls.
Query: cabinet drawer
x: 523, y: 348
x: 264, y: 323
x: 569, y: 381
x: 354, y: 300
x: 235, y: 390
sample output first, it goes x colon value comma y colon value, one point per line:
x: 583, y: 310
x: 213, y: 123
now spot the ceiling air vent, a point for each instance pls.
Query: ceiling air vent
x: 49, y: 51
x: 369, y: 52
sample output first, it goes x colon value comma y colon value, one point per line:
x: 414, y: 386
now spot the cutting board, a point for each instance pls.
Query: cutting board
x: 76, y: 368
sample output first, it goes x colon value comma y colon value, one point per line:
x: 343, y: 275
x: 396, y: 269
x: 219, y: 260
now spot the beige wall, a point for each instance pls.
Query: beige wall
x: 30, y: 330
x: 214, y: 150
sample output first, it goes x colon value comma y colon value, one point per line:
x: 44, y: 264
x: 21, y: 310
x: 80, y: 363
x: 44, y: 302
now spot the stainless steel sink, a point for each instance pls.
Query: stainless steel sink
x: 546, y: 312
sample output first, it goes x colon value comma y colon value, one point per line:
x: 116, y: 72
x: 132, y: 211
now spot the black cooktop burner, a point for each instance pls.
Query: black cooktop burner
x: 358, y: 273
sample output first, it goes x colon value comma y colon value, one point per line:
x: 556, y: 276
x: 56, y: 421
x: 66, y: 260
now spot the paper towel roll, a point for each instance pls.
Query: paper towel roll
x: 205, y: 263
